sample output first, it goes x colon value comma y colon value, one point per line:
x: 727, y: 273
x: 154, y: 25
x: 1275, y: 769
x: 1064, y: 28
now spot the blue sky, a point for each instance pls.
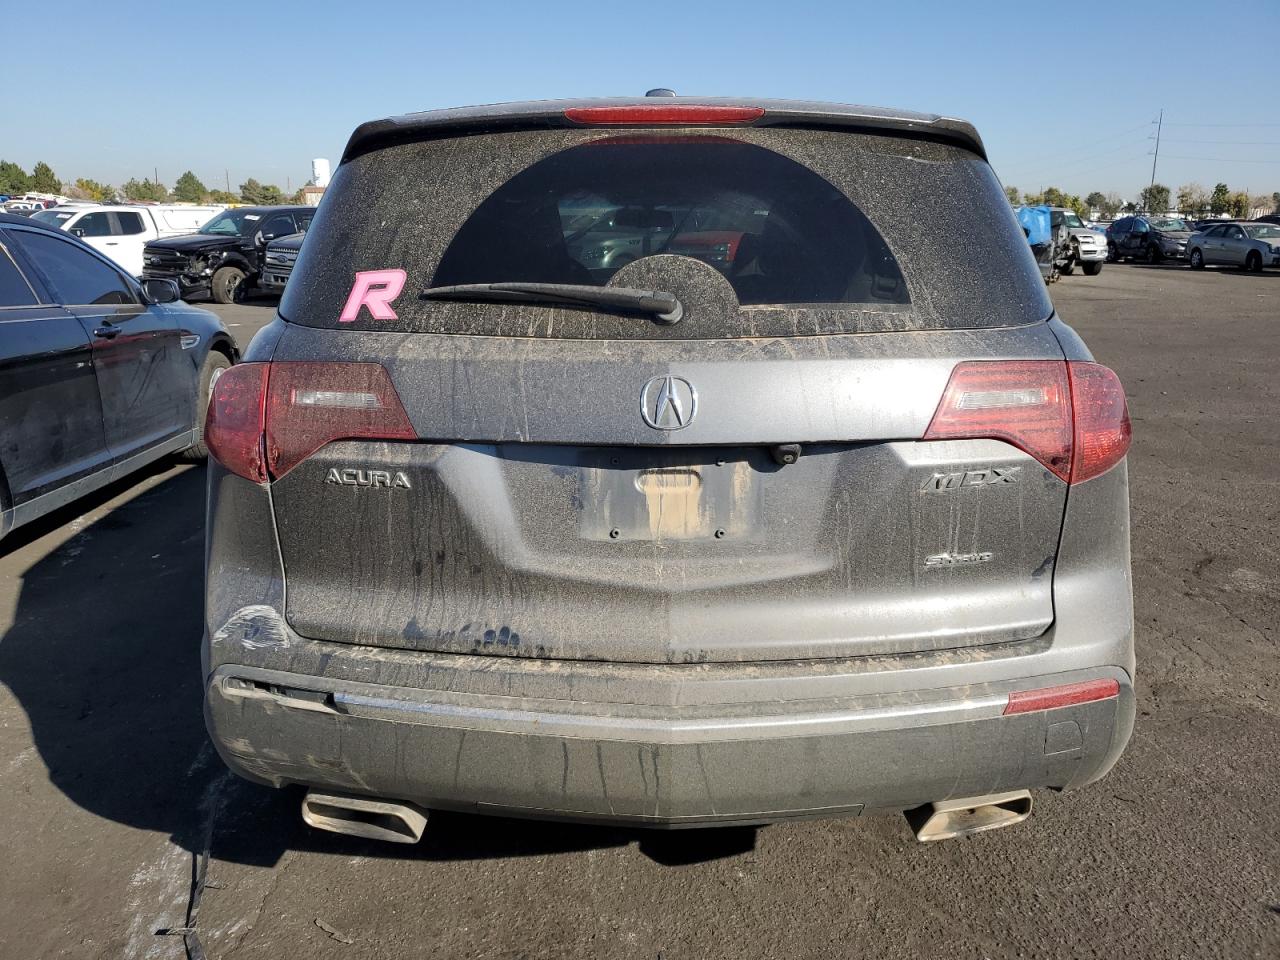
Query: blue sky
x: 257, y: 89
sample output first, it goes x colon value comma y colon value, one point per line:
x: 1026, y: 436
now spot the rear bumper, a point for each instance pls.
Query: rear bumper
x: 662, y: 746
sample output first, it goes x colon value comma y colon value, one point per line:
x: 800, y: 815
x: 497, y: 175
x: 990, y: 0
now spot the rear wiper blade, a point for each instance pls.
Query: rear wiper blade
x: 664, y: 307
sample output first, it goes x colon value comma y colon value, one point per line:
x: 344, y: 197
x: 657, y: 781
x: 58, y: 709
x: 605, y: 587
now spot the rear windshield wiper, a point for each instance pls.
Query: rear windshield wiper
x: 664, y: 307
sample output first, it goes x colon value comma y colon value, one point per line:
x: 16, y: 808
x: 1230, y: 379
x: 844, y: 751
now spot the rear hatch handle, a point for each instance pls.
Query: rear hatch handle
x: 662, y: 306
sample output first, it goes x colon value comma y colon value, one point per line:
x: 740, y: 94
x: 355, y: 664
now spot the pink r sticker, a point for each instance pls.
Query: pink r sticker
x: 374, y: 289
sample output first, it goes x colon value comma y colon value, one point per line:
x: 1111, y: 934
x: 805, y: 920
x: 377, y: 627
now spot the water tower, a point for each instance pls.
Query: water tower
x: 320, y: 172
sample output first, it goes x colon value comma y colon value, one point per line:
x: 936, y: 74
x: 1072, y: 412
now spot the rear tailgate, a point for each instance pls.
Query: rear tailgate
x: 588, y: 485
x: 538, y: 517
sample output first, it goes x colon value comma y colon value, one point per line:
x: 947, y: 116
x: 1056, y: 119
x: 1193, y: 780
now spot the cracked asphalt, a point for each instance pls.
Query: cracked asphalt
x: 108, y: 784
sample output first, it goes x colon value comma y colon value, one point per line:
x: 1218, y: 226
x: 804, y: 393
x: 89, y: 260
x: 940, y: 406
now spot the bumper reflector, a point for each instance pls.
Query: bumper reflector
x: 1066, y: 695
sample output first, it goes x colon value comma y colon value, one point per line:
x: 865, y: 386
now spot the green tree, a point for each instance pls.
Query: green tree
x: 188, y: 188
x: 1012, y: 194
x: 251, y: 192
x: 1054, y: 197
x: 1193, y: 200
x: 1239, y: 205
x: 261, y: 194
x: 43, y: 179
x: 222, y: 196
x: 1154, y: 199
x: 1111, y: 205
x: 1096, y: 200
x: 93, y: 190
x: 13, y: 179
x: 1220, y: 201
x: 1275, y: 199
x: 145, y: 190
x: 1033, y: 199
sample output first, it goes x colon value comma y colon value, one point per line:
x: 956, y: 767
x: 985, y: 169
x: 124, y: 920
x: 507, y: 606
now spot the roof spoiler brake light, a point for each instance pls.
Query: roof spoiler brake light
x: 663, y: 114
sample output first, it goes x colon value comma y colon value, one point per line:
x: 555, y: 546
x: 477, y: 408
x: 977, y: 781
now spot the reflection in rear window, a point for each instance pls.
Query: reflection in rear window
x: 777, y: 231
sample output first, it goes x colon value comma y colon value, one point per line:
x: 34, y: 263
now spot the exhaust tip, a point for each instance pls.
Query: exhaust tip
x: 969, y: 815
x: 366, y: 817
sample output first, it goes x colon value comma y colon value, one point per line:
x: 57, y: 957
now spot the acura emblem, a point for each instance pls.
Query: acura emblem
x: 668, y: 403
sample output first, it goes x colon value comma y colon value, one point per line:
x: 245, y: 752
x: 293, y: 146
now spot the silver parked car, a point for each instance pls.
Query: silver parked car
x: 1248, y: 245
x: 796, y: 514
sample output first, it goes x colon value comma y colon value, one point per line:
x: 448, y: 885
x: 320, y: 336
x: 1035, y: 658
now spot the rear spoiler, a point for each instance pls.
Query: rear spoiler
x: 556, y: 114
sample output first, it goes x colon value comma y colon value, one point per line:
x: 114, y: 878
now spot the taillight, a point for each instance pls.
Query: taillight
x: 311, y: 404
x: 1024, y: 402
x: 679, y: 114
x: 234, y: 425
x: 268, y: 418
x: 1102, y: 429
x: 1071, y: 416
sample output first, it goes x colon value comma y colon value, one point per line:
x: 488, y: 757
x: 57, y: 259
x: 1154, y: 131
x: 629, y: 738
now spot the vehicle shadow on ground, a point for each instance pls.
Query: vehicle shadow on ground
x: 1272, y: 274
x: 104, y: 657
x: 1216, y: 270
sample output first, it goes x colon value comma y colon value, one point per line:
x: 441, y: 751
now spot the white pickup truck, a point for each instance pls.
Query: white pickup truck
x: 120, y: 232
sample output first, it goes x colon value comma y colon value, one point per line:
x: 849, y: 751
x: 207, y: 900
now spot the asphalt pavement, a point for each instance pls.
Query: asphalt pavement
x: 109, y: 790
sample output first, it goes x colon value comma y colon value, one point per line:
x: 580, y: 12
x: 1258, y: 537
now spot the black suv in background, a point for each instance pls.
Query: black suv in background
x: 281, y: 255
x: 224, y: 259
x: 1150, y: 238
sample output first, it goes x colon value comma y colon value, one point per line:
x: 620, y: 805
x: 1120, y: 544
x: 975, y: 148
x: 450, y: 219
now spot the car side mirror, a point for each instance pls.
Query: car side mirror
x: 77, y: 231
x: 160, y: 290
x: 259, y: 240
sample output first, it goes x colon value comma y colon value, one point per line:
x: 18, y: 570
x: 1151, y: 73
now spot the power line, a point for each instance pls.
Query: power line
x: 1079, y: 162
x: 1173, y: 124
x: 1088, y: 164
x: 1222, y: 159
x: 1036, y: 158
x: 1240, y: 143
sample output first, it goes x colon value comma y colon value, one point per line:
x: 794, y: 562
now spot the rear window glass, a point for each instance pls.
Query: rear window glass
x: 778, y: 232
x: 789, y: 232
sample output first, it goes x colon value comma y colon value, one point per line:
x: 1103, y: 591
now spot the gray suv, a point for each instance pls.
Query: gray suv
x: 795, y: 514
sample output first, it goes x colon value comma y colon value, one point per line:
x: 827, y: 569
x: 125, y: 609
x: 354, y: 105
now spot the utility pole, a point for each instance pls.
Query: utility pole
x: 227, y: 173
x: 156, y: 172
x: 1159, y: 127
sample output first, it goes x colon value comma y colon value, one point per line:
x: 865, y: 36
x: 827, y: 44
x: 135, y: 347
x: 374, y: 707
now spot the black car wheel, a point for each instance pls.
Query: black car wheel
x: 1153, y: 254
x: 1196, y: 259
x: 214, y: 364
x: 228, y: 285
x: 1253, y: 262
x: 1112, y: 255
x: 1092, y: 268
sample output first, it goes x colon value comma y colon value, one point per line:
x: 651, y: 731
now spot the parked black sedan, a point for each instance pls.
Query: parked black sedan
x: 99, y: 375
